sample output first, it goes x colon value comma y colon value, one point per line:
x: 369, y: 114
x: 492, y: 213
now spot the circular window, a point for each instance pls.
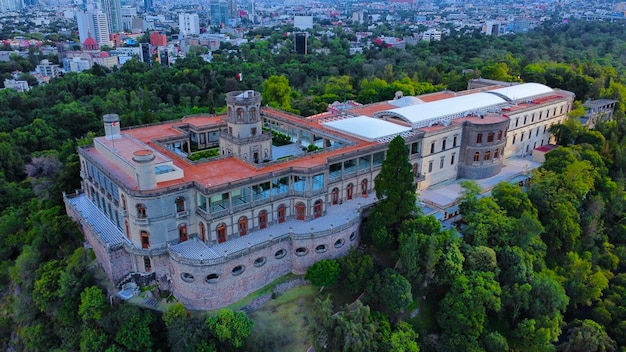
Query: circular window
x: 353, y: 236
x: 339, y: 243
x: 260, y: 261
x: 301, y: 251
x: 238, y: 270
x: 321, y: 248
x: 212, y: 278
x: 280, y: 253
x: 187, y: 277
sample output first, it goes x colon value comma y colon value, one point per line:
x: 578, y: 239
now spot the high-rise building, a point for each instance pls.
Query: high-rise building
x: 93, y: 23
x: 300, y: 42
x: 189, y: 24
x: 113, y: 12
x: 219, y: 12
x: 148, y: 5
x: 11, y: 5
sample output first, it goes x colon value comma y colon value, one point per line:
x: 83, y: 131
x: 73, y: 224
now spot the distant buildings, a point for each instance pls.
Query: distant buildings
x: 596, y: 111
x: 46, y: 69
x: 432, y: 35
x: 93, y: 23
x: 189, y: 24
x: 20, y: 86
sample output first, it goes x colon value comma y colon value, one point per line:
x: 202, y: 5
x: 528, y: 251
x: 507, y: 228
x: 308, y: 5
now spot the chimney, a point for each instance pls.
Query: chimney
x: 144, y: 169
x: 111, y: 126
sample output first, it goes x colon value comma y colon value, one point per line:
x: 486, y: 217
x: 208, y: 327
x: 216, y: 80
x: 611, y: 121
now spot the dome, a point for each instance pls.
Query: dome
x: 90, y: 44
x: 104, y: 54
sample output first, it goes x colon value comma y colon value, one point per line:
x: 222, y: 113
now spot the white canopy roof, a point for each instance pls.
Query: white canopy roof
x: 522, y: 91
x: 367, y: 128
x: 440, y: 111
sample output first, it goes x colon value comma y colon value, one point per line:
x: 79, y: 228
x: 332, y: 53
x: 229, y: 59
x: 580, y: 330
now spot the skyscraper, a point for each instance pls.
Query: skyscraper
x: 11, y: 5
x: 93, y: 23
x: 112, y: 10
x: 219, y: 12
x: 148, y: 5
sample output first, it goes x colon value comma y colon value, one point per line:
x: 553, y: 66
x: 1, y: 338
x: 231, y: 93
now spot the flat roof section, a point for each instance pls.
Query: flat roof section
x: 523, y: 91
x: 366, y: 128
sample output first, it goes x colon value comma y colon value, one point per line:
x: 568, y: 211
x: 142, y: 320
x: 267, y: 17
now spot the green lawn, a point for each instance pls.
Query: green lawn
x: 282, y: 324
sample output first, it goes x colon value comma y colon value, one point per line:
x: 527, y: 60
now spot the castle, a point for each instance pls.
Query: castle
x: 219, y: 228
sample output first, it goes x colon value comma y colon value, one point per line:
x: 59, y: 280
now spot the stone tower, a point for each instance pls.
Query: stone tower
x: 244, y: 137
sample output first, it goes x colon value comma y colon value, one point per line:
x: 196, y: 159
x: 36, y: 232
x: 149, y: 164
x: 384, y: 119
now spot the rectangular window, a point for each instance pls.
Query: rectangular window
x: 452, y: 159
x: 441, y: 162
x: 280, y: 185
x: 430, y: 166
x: 454, y: 142
x: 479, y: 138
x: 365, y: 162
x: 415, y: 148
x: 443, y: 145
x: 521, y: 138
x: 202, y: 202
x: 318, y: 182
x: 253, y: 131
x: 202, y: 138
x: 240, y: 196
x: 334, y: 171
x: 377, y: 158
x: 432, y: 147
x: 299, y: 183
x: 514, y: 136
x: 261, y: 191
x: 490, y: 137
x: 349, y: 166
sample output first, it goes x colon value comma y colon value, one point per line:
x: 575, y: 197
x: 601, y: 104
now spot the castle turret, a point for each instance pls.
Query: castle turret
x: 144, y: 169
x: 111, y: 126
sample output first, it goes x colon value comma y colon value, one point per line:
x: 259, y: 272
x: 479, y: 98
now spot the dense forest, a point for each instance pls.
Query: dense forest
x: 533, y: 271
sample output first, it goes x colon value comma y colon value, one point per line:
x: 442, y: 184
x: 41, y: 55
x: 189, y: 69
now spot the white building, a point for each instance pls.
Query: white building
x: 189, y: 24
x: 431, y: 35
x: 93, y: 23
x: 20, y: 86
x: 46, y: 69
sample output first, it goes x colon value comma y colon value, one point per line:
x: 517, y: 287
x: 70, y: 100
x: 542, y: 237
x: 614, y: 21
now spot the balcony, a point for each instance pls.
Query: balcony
x: 182, y: 214
x: 142, y: 221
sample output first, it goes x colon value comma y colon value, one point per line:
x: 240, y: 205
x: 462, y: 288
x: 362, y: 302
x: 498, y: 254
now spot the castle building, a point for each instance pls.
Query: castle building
x: 216, y: 229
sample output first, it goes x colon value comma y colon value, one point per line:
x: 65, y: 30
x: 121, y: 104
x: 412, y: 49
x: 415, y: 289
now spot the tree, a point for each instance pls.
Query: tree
x: 589, y: 336
x: 323, y: 273
x: 230, y: 328
x: 92, y: 305
x: 356, y: 270
x: 404, y: 339
x: 395, y: 189
x: 390, y: 290
x: 277, y: 92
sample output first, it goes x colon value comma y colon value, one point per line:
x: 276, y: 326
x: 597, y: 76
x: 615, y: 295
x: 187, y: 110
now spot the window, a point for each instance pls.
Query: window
x: 202, y: 232
x: 187, y: 277
x: 180, y: 204
x: 443, y: 145
x: 537, y: 133
x: 430, y: 166
x: 544, y: 128
x: 514, y: 137
x: 300, y: 211
x: 202, y: 138
x: 334, y: 196
x: 414, y: 148
x: 221, y: 233
x: 525, y: 117
x: 432, y: 147
x: 243, y: 226
x: 253, y: 131
x: 302, y: 251
x: 123, y: 201
x: 517, y: 122
x: 182, y: 233
x: 280, y: 253
x: 262, y: 219
x: 441, y: 162
x: 487, y: 155
x: 479, y: 138
x: 282, y: 213
x: 141, y: 211
x: 415, y: 170
x: 521, y: 138
x: 145, y: 239
x: 317, y: 209
x: 490, y: 137
x: 147, y: 264
x: 339, y: 243
x: 452, y: 159
x: 239, y: 114
x: 496, y: 153
x: 349, y: 190
x: 454, y: 142
x: 353, y: 236
x: 532, y: 118
x: 127, y: 228
x: 321, y: 248
x: 476, y: 156
x: 364, y: 187
x: 260, y: 261
x: 212, y: 278
x: 238, y: 270
x: 252, y: 113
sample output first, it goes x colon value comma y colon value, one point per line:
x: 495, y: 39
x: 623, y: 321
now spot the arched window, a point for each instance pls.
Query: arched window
x: 145, y: 239
x: 317, y: 208
x: 141, y: 211
x: 221, y: 233
x: 476, y: 156
x: 479, y: 138
x: 488, y: 155
x: 243, y: 226
x: 180, y: 204
x: 252, y: 113
x: 282, y: 213
x: 499, y: 135
x: 240, y: 114
x: 262, y: 219
x: 496, y: 153
x: 364, y: 187
x: 349, y: 191
x: 202, y: 232
x: 123, y: 202
x: 490, y: 136
x: 182, y: 233
x: 300, y: 211
x: 334, y: 197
